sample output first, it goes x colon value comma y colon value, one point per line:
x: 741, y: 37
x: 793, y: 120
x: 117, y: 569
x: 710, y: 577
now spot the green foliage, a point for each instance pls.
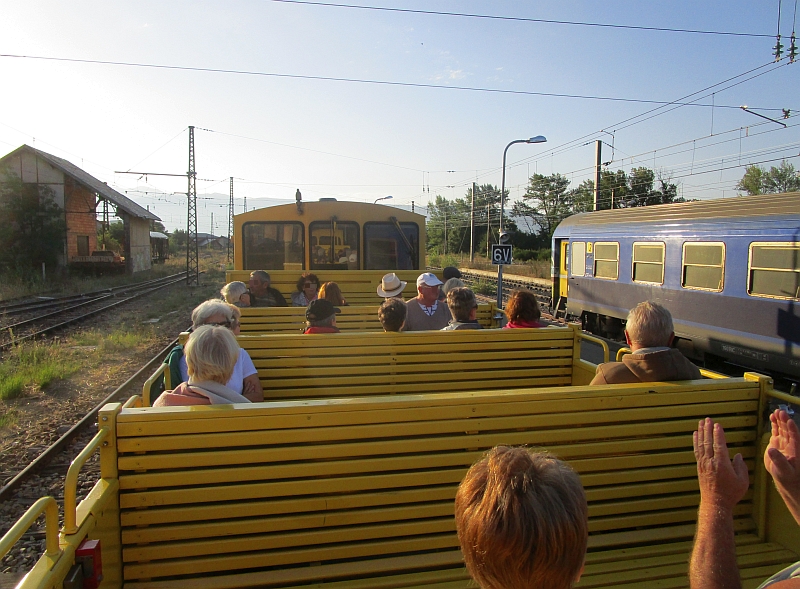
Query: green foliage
x: 33, y: 227
x: 526, y: 255
x: 177, y: 241
x: 485, y: 288
x: 619, y: 190
x: 11, y: 387
x: 114, y: 237
x: 36, y: 364
x: 758, y: 180
x: 449, y: 221
x: 545, y: 201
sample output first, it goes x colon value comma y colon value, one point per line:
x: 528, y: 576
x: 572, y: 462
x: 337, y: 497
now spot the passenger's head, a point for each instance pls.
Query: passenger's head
x: 331, y: 292
x: 649, y: 325
x: 308, y: 284
x: 321, y: 313
x: 462, y: 304
x: 522, y: 307
x: 451, y: 272
x: 452, y: 283
x: 522, y: 521
x: 215, y: 311
x: 259, y: 282
x: 233, y: 291
x: 211, y: 354
x: 428, y: 288
x: 392, y: 314
x: 391, y: 286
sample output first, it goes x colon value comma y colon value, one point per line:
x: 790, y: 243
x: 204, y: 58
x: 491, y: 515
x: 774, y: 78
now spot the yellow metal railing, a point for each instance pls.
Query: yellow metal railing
x: 598, y: 341
x: 49, y: 507
x: 162, y: 370
x: 71, y: 482
x: 621, y: 352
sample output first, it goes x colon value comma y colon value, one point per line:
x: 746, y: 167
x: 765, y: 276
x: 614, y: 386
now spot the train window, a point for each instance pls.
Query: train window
x: 606, y: 260
x: 273, y: 245
x: 577, y: 263
x: 387, y: 248
x: 774, y: 270
x: 648, y: 262
x: 703, y: 266
x: 334, y: 245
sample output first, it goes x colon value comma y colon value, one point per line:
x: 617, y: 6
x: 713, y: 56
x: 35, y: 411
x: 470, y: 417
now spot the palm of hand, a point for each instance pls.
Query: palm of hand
x: 780, y: 460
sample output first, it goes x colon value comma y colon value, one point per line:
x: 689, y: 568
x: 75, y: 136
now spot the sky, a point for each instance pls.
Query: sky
x: 361, y: 103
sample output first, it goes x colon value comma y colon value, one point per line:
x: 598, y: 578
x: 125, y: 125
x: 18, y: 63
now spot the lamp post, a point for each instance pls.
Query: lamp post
x: 382, y: 198
x: 536, y: 139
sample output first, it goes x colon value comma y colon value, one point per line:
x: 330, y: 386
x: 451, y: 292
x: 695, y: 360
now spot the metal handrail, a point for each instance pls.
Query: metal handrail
x: 598, y: 341
x: 783, y: 396
x: 71, y: 481
x: 621, y: 352
x: 49, y: 507
x: 163, y: 369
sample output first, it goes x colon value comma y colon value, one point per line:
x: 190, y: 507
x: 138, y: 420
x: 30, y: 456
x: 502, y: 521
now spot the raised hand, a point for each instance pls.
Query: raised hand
x: 723, y: 482
x: 781, y: 460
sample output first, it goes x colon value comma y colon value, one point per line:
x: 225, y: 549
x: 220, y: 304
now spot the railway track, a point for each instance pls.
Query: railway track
x: 540, y: 287
x: 71, y: 309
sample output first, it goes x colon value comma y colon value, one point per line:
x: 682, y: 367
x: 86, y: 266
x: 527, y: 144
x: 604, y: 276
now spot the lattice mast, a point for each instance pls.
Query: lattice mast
x: 192, y: 255
x: 230, y: 225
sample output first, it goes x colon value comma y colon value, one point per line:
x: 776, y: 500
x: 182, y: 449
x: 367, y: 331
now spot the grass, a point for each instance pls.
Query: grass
x: 34, y: 365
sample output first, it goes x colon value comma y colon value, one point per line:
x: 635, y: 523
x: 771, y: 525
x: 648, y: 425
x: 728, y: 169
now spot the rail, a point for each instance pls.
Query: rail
x: 599, y: 342
x: 49, y: 507
x: 71, y: 481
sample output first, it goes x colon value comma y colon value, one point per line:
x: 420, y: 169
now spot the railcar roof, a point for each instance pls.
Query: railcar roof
x: 739, y: 208
x: 315, y: 210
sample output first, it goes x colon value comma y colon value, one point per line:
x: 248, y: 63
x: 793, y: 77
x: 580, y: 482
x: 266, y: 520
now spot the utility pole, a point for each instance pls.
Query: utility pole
x: 192, y: 255
x: 105, y: 221
x: 245, y: 204
x: 488, y: 230
x: 598, y: 147
x: 445, y: 231
x: 472, y: 225
x: 230, y: 225
x: 212, y: 224
x: 412, y: 206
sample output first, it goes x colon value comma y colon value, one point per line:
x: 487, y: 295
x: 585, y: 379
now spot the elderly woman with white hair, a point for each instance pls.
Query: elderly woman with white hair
x: 211, y: 355
x: 244, y: 378
x: 235, y: 293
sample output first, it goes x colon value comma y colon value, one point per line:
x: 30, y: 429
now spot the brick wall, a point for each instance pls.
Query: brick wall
x: 81, y: 218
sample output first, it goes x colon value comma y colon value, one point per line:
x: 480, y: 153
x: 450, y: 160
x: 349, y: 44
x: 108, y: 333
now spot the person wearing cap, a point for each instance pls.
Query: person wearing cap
x: 321, y: 317
x: 391, y: 287
x: 425, y: 311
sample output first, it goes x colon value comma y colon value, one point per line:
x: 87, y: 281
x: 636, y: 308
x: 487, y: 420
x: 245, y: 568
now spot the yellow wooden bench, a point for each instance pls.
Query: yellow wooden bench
x: 257, y: 320
x: 359, y: 492
x: 350, y: 364
x: 359, y: 287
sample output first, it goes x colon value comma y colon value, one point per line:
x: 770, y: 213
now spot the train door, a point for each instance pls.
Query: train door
x: 559, y: 274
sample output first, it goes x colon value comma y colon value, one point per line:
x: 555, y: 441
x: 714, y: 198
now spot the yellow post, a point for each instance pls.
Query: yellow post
x: 762, y: 439
x: 107, y: 418
x: 71, y: 481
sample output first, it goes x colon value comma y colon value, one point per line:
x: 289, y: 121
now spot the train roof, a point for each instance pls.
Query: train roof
x: 764, y: 207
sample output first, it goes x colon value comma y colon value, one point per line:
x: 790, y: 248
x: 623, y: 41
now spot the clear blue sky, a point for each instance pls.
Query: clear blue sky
x: 361, y: 141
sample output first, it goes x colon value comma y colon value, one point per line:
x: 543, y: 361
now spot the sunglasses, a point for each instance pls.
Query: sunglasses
x: 310, y: 284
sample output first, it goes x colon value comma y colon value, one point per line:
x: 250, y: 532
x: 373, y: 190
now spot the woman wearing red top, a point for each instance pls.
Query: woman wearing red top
x: 522, y: 310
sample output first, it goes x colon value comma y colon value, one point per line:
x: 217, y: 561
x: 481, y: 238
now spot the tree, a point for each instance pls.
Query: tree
x: 757, y: 180
x: 33, y: 228
x: 545, y: 201
x: 582, y: 198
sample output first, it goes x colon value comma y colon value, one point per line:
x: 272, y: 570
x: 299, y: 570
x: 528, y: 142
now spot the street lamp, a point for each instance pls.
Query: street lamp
x: 536, y: 139
x: 382, y: 198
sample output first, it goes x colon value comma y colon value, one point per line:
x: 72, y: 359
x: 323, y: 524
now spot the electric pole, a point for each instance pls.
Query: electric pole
x: 472, y: 225
x: 192, y: 255
x: 230, y: 225
x: 598, y: 147
x: 245, y: 204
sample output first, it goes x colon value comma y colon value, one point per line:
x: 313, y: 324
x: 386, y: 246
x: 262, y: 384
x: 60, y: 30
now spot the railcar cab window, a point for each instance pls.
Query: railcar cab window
x: 387, y: 247
x: 273, y: 245
x: 577, y: 262
x: 703, y: 266
x: 648, y: 262
x: 606, y: 260
x: 774, y: 270
x: 333, y: 245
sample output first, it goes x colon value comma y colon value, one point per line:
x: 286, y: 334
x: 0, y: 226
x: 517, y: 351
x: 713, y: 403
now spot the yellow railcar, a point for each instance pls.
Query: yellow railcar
x: 329, y: 235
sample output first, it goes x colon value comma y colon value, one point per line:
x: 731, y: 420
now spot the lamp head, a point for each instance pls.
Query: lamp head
x: 537, y: 139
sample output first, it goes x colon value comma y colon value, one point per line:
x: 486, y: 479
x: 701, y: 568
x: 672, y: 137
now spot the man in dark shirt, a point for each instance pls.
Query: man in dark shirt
x: 261, y: 294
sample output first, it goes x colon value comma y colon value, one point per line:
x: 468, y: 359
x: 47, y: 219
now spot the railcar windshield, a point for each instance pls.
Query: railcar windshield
x: 271, y: 245
x: 391, y: 246
x: 334, y: 245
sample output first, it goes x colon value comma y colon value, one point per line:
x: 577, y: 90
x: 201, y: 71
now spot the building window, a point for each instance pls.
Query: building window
x: 648, y: 262
x: 273, y: 245
x: 606, y: 260
x: 83, y: 245
x: 774, y: 270
x: 703, y: 266
x: 578, y: 260
x: 334, y: 245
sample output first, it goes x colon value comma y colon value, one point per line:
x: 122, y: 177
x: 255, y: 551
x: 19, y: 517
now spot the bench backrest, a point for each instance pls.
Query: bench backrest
x: 289, y: 493
x: 256, y: 320
x: 358, y: 286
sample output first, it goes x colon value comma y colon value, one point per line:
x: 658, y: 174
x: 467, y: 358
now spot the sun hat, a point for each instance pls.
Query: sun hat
x: 391, y: 286
x: 428, y: 279
x: 320, y: 310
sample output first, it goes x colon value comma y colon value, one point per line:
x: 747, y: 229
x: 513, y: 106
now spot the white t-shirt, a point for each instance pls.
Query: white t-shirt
x: 244, y: 368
